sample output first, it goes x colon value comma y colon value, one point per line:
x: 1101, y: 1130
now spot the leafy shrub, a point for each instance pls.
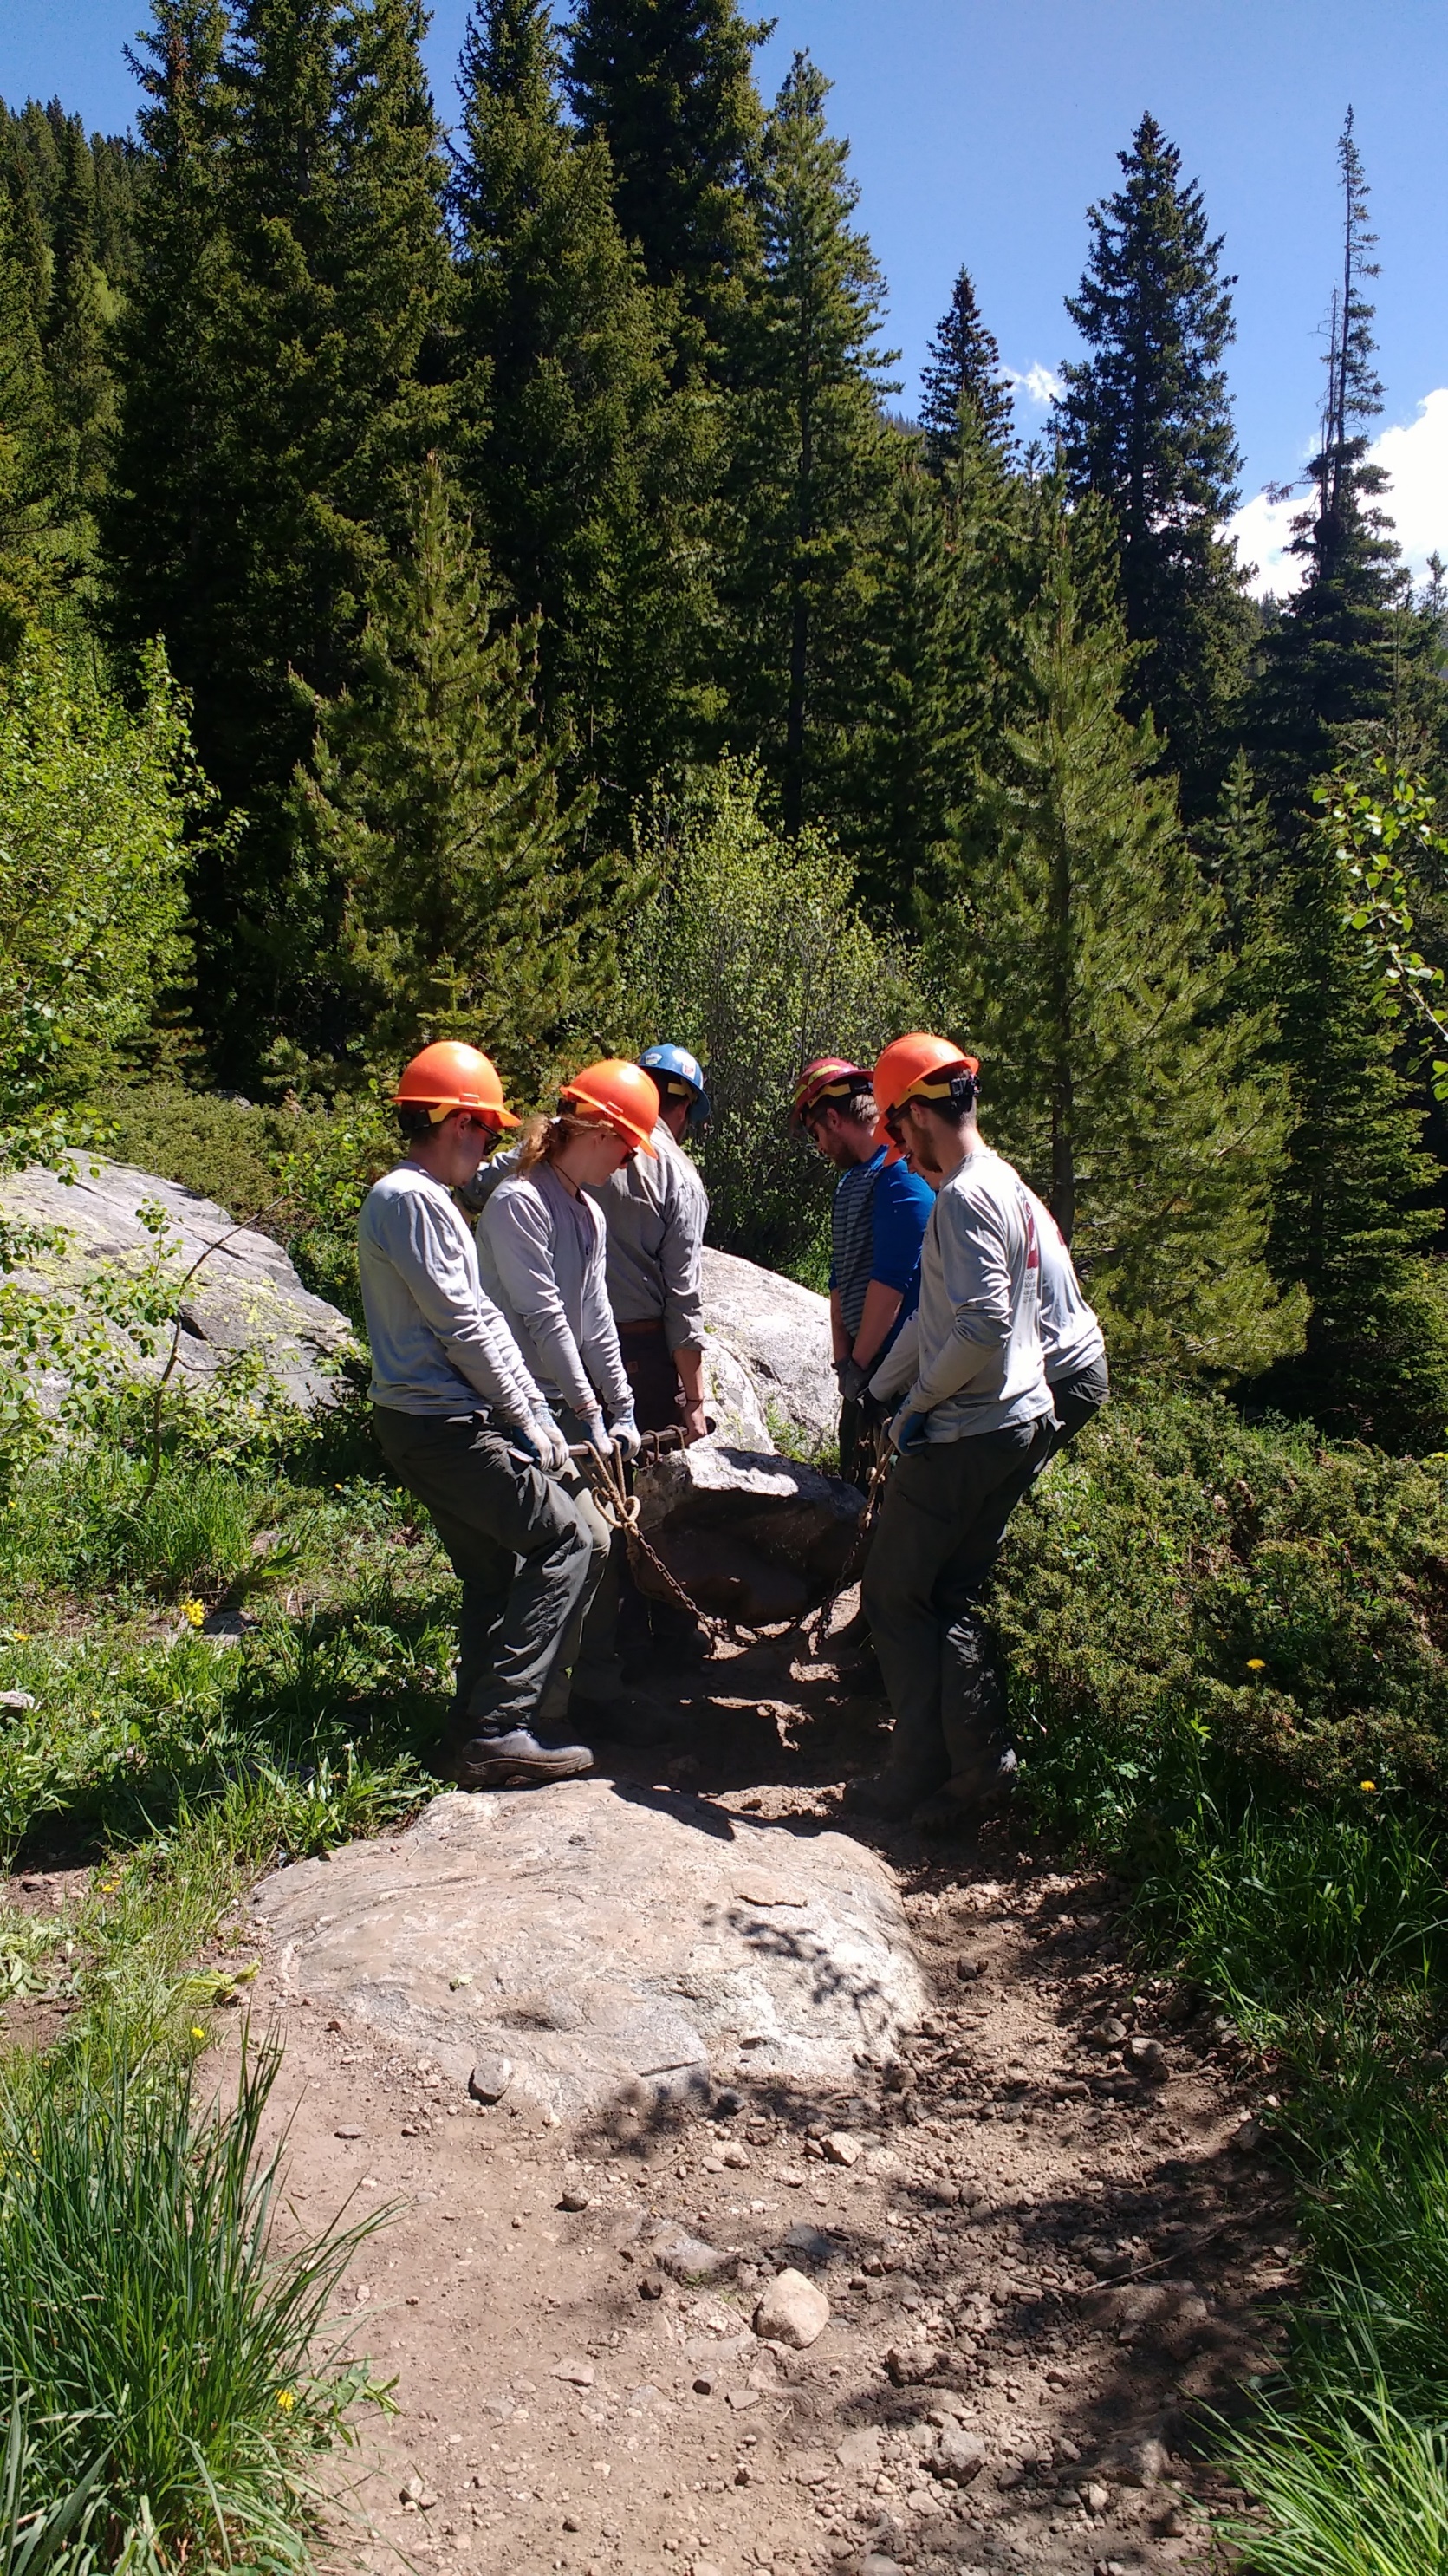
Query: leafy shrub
x: 93, y: 809
x: 752, y: 953
x: 1193, y: 1601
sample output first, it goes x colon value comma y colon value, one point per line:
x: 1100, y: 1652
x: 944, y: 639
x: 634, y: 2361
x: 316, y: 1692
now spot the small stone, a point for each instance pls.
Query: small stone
x: 909, y: 2364
x: 741, y: 2398
x: 969, y: 1966
x: 334, y: 2024
x: 18, y: 1700
x: 1147, y: 2057
x: 579, y: 2374
x: 414, y: 2493
x: 958, y: 2455
x: 703, y: 2387
x: 568, y: 2523
x: 1141, y: 2463
x: 872, y: 2564
x: 1248, y: 2137
x: 688, y: 2258
x: 490, y: 2079
x: 860, y: 2450
x: 346, y: 2133
x: 1173, y: 2524
x: 1094, y: 2496
x: 736, y: 2158
x: 792, y: 2311
x: 651, y: 2287
x: 841, y: 2148
x: 1113, y: 2031
x: 574, y: 2199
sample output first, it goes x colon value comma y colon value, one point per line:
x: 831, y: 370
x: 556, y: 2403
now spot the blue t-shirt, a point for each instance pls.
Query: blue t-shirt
x: 878, y: 1224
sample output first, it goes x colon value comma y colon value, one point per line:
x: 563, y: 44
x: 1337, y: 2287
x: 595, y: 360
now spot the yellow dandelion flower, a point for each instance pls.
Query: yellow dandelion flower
x: 286, y: 2399
x: 1256, y: 1664
x: 196, y: 2031
x: 1367, y: 1784
x: 194, y: 1611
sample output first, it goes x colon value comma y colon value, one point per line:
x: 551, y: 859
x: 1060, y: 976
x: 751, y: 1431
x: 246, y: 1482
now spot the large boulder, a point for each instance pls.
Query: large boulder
x: 598, y: 1948
x: 753, y: 1537
x: 245, y: 1296
x: 780, y: 1333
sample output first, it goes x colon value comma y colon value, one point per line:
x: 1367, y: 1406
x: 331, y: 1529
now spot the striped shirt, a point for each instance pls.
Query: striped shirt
x: 877, y: 1225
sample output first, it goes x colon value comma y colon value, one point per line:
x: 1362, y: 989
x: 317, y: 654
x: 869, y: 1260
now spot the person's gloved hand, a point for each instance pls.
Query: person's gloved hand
x: 626, y: 1437
x: 907, y: 1431
x: 599, y: 1437
x: 854, y: 1377
x: 550, y: 1444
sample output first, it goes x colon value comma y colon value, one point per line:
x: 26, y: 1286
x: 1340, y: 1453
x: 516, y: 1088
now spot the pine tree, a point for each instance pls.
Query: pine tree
x: 319, y: 367
x: 26, y: 481
x: 1329, y: 672
x: 1145, y: 423
x: 668, y: 86
x: 1089, y: 972
x: 433, y: 806
x: 964, y: 365
x: 809, y: 476
x: 1353, y: 1210
x: 78, y: 320
x: 581, y: 462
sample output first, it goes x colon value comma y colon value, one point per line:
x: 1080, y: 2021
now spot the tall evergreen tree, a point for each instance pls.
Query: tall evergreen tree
x: 1145, y: 423
x: 433, y: 805
x: 80, y: 312
x: 580, y: 459
x: 668, y: 85
x: 1329, y: 668
x: 811, y: 462
x: 26, y: 481
x: 322, y: 380
x: 1089, y: 971
x: 964, y: 365
x: 1353, y: 1209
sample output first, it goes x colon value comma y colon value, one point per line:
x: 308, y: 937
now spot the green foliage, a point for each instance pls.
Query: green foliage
x: 1362, y: 2488
x: 1088, y: 972
x: 1383, y: 827
x: 1145, y: 424
x: 751, y: 953
x: 589, y: 471
x: 166, y: 2342
x: 94, y: 803
x: 809, y: 468
x: 434, y: 807
x: 964, y: 367
x: 1197, y: 1605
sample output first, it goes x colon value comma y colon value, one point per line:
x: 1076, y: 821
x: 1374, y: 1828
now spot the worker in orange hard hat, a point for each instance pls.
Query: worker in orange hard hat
x: 464, y: 1425
x: 542, y: 1254
x: 878, y: 1218
x: 976, y: 1423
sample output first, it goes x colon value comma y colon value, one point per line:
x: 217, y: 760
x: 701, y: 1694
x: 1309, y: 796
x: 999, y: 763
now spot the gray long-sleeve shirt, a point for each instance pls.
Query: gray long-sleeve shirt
x: 656, y: 1213
x: 975, y: 1340
x: 1071, y: 1336
x: 541, y: 1254
x: 438, y: 1345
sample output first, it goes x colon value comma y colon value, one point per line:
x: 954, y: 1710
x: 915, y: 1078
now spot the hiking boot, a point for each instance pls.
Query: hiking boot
x: 892, y: 1794
x: 514, y: 1759
x: 963, y: 1805
x: 631, y: 1720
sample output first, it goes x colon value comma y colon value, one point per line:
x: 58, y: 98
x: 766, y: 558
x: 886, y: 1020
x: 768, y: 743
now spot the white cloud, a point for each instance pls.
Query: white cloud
x: 1415, y: 457
x: 1038, y: 384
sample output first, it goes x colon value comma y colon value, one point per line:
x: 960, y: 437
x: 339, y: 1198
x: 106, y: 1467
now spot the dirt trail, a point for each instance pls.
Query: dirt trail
x: 1058, y: 2230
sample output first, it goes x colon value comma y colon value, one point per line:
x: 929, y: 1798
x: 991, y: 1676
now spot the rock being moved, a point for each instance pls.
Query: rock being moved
x: 751, y: 1537
x: 619, y: 1946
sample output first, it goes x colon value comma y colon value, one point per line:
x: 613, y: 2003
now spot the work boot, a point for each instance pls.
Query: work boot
x: 964, y: 1804
x: 630, y: 1719
x: 893, y: 1794
x: 514, y: 1759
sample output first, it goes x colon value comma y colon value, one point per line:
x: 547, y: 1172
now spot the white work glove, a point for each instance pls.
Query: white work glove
x: 597, y: 1434
x: 550, y: 1444
x: 627, y: 1437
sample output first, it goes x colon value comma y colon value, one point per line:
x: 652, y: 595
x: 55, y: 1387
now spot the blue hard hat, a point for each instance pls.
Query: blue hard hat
x: 675, y: 1064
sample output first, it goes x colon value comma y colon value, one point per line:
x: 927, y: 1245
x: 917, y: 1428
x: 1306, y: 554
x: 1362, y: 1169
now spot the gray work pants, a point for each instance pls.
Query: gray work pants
x: 920, y: 1600
x: 519, y: 1545
x: 1076, y: 1401
x: 589, y: 1662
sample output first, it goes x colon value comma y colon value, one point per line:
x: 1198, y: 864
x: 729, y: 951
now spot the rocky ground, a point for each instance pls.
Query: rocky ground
x: 966, y: 2311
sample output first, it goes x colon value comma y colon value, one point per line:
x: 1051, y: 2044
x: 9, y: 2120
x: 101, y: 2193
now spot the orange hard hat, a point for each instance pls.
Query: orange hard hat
x: 621, y: 1096
x: 918, y: 1067
x: 447, y: 1076
x: 830, y: 1078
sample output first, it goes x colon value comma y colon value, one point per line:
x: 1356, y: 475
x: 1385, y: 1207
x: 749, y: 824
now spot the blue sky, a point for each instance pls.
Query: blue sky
x: 982, y: 129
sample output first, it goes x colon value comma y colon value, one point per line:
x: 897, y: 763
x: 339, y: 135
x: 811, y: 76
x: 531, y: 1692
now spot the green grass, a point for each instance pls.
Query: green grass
x: 1363, y: 2492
